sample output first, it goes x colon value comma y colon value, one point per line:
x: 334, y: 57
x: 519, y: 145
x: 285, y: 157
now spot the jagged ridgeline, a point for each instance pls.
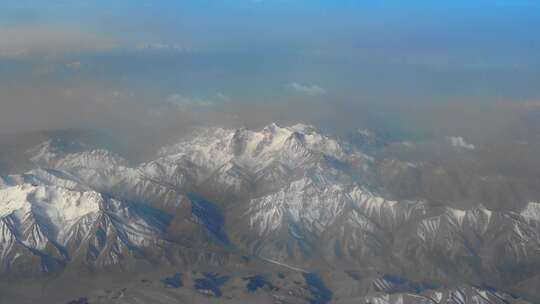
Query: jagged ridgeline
x: 284, y: 213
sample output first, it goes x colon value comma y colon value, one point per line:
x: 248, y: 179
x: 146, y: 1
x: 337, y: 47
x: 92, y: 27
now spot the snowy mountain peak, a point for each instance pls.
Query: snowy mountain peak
x: 57, y: 225
x: 58, y: 204
x: 531, y: 212
x: 305, y: 128
x: 211, y: 148
x: 271, y: 128
x: 52, y: 154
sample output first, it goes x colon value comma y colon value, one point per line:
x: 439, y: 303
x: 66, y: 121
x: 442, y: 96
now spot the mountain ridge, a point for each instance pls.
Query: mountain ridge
x: 287, y: 194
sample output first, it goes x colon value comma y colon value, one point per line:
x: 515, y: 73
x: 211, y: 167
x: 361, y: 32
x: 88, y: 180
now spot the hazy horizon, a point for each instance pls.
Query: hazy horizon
x: 78, y: 64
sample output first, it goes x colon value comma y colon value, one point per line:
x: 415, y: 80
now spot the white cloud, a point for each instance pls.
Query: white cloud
x: 459, y: 142
x: 74, y: 65
x: 184, y: 101
x: 17, y: 42
x: 165, y: 47
x: 311, y: 90
x: 222, y: 97
x: 187, y: 101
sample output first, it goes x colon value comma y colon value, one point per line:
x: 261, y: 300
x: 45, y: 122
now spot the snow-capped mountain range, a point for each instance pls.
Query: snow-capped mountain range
x: 292, y: 195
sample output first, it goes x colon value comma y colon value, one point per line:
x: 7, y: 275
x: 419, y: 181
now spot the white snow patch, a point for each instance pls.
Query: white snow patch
x: 531, y: 212
x: 459, y: 142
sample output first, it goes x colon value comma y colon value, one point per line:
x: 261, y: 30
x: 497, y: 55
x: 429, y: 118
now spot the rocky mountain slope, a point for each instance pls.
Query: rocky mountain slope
x: 291, y: 197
